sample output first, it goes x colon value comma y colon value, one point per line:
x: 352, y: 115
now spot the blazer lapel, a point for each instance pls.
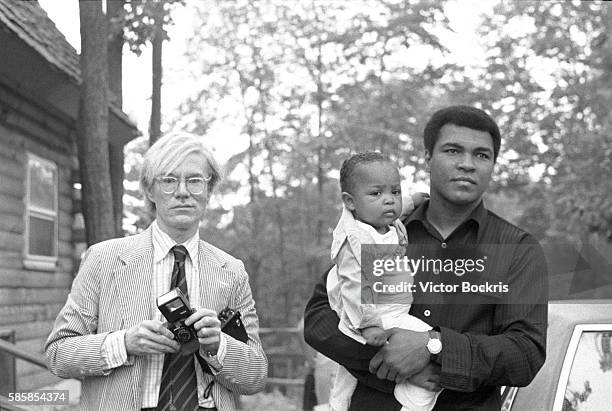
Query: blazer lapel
x: 215, y: 279
x: 133, y: 279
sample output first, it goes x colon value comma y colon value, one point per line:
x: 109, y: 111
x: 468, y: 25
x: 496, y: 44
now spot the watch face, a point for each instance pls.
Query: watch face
x: 434, y: 346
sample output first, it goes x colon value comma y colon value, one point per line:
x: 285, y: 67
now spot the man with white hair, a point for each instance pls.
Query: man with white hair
x: 110, y: 333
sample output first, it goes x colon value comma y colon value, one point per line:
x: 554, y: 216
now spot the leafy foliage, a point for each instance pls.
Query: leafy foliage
x: 557, y: 115
x: 309, y: 83
x: 304, y: 84
x: 140, y: 19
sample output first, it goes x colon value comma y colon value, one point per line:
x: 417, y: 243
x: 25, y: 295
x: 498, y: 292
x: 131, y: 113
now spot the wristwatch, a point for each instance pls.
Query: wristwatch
x: 434, y: 345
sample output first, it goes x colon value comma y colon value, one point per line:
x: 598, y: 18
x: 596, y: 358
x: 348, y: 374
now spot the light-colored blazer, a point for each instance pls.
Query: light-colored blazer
x: 112, y: 292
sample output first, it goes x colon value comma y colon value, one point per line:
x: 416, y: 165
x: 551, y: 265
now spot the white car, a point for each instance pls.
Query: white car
x: 577, y: 374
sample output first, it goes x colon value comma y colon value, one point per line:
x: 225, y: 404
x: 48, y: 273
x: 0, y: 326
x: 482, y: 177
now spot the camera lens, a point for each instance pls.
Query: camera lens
x: 183, y: 335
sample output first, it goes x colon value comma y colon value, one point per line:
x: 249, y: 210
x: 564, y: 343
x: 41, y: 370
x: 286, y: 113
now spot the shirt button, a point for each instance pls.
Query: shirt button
x: 427, y: 313
x: 443, y: 245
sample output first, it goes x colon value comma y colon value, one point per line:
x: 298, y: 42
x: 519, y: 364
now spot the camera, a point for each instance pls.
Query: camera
x: 176, y: 309
x: 231, y: 324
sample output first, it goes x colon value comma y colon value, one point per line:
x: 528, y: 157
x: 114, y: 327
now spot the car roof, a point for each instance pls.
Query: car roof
x: 567, y: 312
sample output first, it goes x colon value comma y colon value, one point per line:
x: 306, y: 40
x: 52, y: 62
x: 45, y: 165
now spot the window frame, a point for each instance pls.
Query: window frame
x: 508, y: 394
x: 37, y: 261
x: 570, y: 354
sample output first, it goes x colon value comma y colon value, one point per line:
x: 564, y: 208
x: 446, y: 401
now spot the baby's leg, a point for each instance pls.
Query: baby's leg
x: 412, y: 397
x: 375, y: 336
x: 342, y: 390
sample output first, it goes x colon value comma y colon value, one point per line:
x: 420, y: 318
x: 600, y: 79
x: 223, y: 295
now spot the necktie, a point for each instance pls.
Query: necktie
x: 178, y: 390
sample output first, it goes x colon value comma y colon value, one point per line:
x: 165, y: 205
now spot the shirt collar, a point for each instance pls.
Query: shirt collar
x: 478, y: 215
x: 387, y: 238
x: 162, y: 244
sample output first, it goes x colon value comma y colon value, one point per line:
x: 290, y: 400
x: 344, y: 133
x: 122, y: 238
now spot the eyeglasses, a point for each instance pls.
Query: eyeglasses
x: 195, y: 185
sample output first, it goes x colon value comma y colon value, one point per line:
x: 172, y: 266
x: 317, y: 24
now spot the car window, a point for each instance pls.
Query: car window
x: 589, y: 381
x: 507, y: 397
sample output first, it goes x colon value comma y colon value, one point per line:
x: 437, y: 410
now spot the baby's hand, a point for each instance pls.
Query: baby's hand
x: 375, y: 336
x: 411, y: 202
x: 419, y: 198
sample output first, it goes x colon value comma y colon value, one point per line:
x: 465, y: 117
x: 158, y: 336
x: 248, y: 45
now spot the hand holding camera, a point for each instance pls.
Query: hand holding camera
x: 208, y: 329
x: 150, y: 337
x: 176, y: 309
x: 203, y: 327
x: 190, y: 327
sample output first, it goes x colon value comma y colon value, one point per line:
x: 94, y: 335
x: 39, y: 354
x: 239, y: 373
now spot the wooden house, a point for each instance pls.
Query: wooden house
x: 39, y: 211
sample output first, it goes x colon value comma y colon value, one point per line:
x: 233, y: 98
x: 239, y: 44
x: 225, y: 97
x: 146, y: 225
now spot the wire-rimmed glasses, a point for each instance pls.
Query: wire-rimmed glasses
x: 195, y: 185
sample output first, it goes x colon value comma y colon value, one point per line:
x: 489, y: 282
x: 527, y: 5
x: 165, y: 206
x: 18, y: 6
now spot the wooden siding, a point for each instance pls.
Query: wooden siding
x: 31, y: 299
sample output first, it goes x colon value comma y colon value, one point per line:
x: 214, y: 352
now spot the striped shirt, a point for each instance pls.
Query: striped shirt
x: 114, y: 351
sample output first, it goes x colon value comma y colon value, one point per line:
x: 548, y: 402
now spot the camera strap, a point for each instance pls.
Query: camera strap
x: 203, y: 363
x: 205, y: 368
x: 208, y: 389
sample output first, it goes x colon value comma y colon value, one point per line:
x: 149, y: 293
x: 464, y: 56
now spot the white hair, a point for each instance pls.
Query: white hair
x: 170, y: 151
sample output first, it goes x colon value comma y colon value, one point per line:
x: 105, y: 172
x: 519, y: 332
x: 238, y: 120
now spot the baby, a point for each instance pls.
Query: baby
x: 372, y: 202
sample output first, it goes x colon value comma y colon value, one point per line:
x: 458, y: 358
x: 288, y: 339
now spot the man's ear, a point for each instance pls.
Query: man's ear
x: 348, y: 201
x: 427, y: 160
x: 149, y: 195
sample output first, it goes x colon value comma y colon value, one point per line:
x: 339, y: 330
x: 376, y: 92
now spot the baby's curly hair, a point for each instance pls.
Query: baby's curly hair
x: 348, y: 167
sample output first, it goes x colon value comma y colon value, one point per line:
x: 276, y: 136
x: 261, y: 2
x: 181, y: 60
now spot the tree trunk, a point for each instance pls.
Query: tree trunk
x: 280, y: 226
x: 92, y: 139
x: 117, y: 175
x: 320, y: 149
x: 155, y: 123
x: 115, y: 51
x: 316, y: 261
x: 254, y: 208
x: 115, y: 78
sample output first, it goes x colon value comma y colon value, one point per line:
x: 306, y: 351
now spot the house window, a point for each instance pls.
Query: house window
x: 41, y: 214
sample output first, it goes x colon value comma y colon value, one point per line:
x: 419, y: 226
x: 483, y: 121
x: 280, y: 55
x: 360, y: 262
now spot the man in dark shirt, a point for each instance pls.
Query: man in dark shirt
x: 480, y: 341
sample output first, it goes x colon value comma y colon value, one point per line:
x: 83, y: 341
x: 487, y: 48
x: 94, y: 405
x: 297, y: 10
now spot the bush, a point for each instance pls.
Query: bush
x: 268, y: 401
